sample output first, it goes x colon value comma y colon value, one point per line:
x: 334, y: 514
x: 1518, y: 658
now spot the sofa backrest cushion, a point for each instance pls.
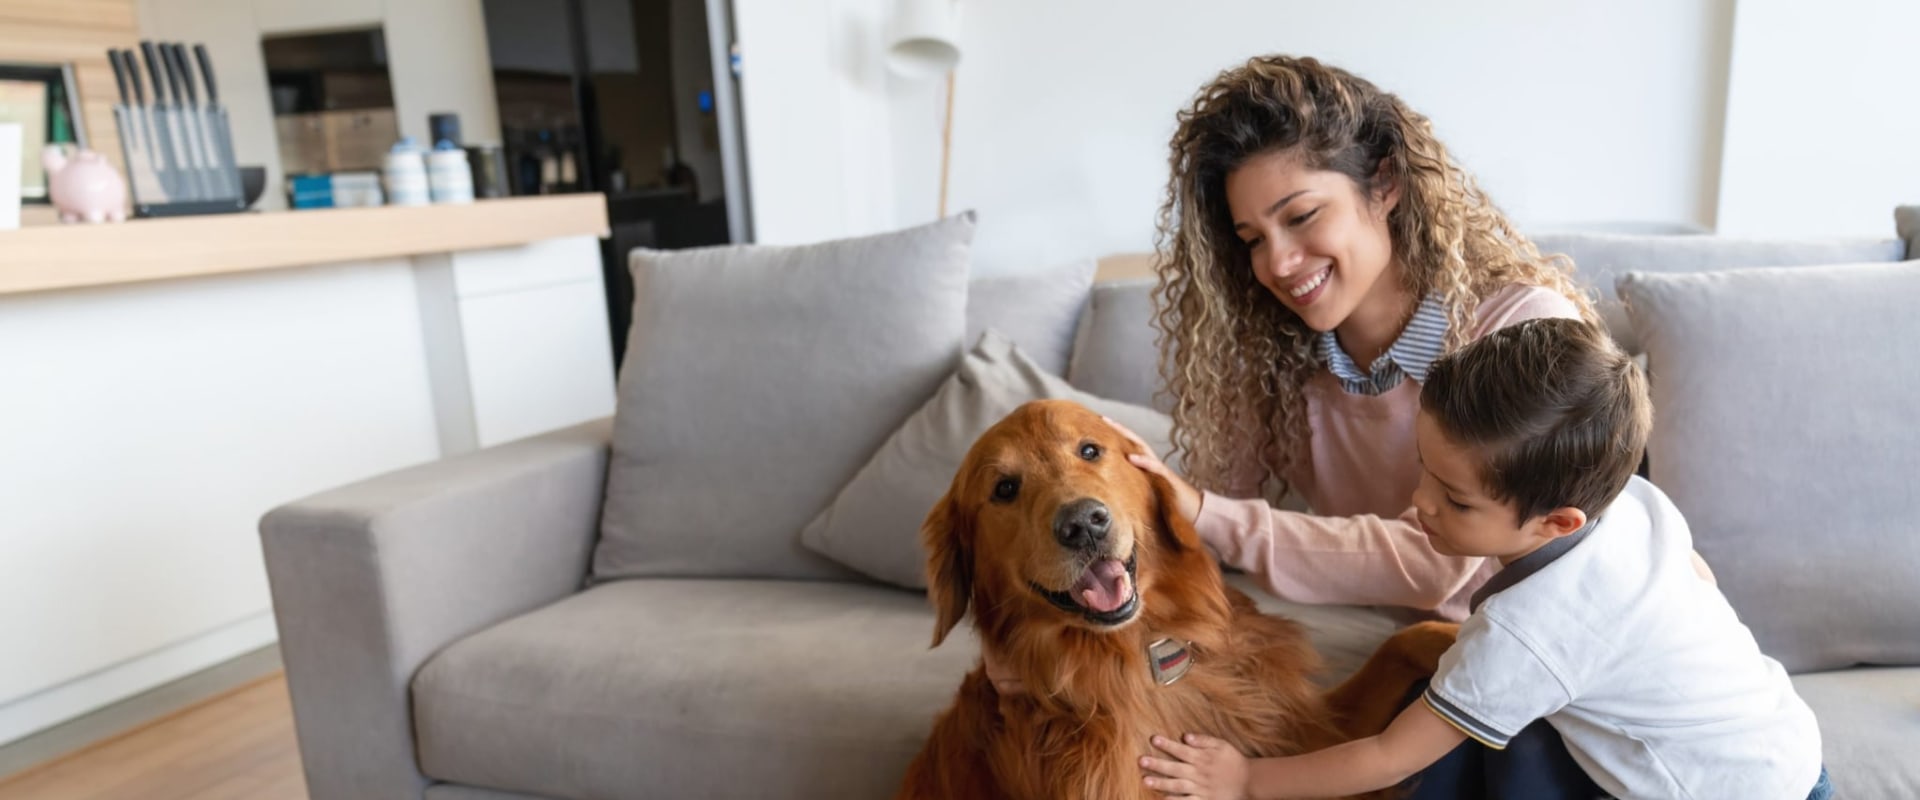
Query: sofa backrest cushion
x: 757, y: 381
x: 1783, y: 427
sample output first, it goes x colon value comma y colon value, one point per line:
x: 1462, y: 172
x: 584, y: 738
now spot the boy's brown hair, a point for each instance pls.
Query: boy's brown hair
x: 1558, y: 414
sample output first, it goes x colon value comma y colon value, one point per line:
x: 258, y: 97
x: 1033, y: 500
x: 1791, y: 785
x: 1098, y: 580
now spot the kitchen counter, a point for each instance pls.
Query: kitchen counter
x: 49, y: 257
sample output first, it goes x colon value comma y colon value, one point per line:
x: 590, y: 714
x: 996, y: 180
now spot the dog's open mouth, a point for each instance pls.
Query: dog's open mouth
x: 1104, y: 594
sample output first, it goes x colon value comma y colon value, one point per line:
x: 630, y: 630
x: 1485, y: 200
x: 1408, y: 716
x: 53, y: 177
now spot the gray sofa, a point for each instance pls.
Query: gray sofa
x: 442, y: 640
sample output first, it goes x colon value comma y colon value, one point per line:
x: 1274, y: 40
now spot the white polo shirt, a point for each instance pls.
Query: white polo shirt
x: 1643, y: 667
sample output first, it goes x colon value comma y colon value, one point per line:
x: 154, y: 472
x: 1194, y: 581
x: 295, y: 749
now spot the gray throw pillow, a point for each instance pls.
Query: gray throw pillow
x: 1906, y: 220
x: 1114, y: 353
x: 757, y: 380
x: 874, y: 525
x: 1784, y: 429
x: 1038, y: 311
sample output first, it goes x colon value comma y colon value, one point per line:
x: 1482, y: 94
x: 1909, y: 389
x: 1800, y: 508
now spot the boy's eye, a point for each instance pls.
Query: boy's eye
x: 1457, y: 505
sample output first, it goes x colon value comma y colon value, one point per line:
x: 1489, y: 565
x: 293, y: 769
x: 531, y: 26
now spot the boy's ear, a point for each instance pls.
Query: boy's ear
x: 1563, y: 521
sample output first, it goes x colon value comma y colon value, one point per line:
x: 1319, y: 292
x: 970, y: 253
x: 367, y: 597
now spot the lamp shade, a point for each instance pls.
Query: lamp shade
x: 925, y: 41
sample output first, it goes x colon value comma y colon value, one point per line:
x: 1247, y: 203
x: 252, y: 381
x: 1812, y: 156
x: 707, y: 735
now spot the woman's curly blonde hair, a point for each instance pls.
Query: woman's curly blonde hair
x: 1234, y: 359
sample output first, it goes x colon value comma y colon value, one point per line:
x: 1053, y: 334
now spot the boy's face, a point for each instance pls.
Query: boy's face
x: 1461, y: 518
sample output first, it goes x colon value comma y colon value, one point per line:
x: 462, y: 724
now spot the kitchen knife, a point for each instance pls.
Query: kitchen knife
x: 216, y: 121
x: 168, y: 167
x: 196, y: 139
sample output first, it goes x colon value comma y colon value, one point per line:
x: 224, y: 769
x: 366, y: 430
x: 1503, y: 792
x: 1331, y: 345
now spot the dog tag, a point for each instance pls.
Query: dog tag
x: 1169, y: 659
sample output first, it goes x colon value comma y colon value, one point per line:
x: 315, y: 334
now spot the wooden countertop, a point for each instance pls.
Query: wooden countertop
x: 48, y: 257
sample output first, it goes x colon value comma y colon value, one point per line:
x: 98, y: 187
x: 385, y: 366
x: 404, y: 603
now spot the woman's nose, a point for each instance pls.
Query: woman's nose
x: 1277, y: 261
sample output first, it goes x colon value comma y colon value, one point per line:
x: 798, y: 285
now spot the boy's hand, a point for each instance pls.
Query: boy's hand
x: 1204, y: 768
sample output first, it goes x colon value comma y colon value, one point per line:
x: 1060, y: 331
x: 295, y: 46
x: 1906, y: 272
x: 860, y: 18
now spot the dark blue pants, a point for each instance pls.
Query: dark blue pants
x: 1535, y: 766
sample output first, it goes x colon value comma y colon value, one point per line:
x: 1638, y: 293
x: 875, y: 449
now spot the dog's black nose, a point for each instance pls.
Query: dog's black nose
x: 1082, y: 524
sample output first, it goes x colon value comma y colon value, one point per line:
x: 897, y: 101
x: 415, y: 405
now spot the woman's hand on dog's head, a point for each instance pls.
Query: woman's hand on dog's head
x: 1186, y: 497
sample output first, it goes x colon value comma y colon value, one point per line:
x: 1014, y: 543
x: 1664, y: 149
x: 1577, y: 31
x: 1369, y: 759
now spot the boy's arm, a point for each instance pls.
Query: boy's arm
x: 1416, y: 739
x: 1705, y: 572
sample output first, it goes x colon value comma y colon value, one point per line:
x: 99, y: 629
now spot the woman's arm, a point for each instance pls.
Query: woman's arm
x: 1360, y: 560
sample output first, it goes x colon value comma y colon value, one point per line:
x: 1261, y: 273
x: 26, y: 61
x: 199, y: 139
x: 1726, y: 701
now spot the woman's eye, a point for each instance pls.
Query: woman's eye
x: 1090, y: 451
x: 1254, y: 242
x: 1006, y: 489
x: 1304, y: 217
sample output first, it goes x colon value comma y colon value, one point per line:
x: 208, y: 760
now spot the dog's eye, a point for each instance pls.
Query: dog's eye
x: 1006, y: 489
x: 1090, y: 451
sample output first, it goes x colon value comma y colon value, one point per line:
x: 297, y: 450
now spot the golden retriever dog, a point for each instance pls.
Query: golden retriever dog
x: 1116, y: 619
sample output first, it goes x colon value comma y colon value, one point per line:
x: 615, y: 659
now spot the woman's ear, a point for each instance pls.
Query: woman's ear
x: 1386, y: 187
x: 948, y: 536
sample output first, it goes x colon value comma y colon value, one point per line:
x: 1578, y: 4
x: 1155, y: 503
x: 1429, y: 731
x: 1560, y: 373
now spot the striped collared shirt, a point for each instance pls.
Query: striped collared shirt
x: 1409, y: 356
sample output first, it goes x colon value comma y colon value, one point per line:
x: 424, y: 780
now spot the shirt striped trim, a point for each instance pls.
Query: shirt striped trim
x: 1410, y: 356
x: 1473, y: 728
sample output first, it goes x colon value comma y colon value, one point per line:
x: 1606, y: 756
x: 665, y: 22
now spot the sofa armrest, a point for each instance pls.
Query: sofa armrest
x: 370, y: 580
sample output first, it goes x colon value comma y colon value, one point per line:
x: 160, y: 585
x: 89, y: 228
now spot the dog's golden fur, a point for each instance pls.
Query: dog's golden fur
x: 1091, y: 701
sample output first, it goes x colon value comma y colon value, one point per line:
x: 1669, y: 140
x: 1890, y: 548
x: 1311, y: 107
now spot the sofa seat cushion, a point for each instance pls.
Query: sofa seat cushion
x: 692, y: 688
x: 1869, y: 725
x: 720, y: 688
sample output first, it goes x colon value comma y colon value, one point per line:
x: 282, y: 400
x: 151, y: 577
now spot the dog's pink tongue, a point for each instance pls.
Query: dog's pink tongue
x: 1103, y: 587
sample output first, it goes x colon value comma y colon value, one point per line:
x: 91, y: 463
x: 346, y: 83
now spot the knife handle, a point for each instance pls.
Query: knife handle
x: 206, y: 73
x: 119, y: 75
x: 183, y: 76
x: 156, y: 69
x: 133, y: 75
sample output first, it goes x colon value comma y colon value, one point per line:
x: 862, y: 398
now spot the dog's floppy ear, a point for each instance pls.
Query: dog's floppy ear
x: 1176, y: 531
x: 948, y: 537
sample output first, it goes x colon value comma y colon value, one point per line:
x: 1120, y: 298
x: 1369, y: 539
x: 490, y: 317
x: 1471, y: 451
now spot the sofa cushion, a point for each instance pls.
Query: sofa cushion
x: 1600, y: 259
x: 757, y: 381
x: 1869, y: 723
x: 454, y: 791
x: 874, y: 524
x: 722, y: 688
x: 693, y: 688
x: 1114, y: 354
x: 1039, y: 311
x: 1906, y: 219
x: 1784, y: 430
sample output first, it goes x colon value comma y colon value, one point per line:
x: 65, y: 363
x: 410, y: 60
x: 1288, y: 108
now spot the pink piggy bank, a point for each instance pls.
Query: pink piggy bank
x: 85, y: 187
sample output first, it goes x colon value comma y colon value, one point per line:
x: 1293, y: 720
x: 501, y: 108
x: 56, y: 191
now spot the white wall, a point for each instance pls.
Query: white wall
x: 1823, y: 124
x: 1603, y: 115
x: 437, y: 59
x: 814, y: 98
x: 1567, y: 112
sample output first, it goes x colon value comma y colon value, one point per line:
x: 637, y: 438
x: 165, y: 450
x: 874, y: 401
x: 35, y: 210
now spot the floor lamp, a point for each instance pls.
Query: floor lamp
x: 926, y: 44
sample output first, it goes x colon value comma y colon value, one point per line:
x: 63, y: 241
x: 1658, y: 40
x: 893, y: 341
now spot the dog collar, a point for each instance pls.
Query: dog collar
x: 1169, y: 659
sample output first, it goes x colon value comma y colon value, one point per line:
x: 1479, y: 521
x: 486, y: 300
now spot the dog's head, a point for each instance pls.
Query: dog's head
x: 1047, y: 517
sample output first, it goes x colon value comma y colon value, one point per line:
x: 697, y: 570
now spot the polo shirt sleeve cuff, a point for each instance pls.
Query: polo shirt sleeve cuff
x: 1456, y: 716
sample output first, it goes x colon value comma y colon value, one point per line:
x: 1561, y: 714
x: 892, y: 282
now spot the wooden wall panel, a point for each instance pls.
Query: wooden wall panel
x: 77, y: 32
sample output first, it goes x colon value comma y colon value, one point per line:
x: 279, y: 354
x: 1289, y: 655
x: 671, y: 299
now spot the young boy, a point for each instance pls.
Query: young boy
x: 1597, y: 621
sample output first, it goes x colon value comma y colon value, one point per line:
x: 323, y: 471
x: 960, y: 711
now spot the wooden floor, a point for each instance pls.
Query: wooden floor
x: 236, y: 746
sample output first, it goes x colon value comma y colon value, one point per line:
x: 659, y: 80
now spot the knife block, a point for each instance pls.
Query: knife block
x: 179, y: 160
